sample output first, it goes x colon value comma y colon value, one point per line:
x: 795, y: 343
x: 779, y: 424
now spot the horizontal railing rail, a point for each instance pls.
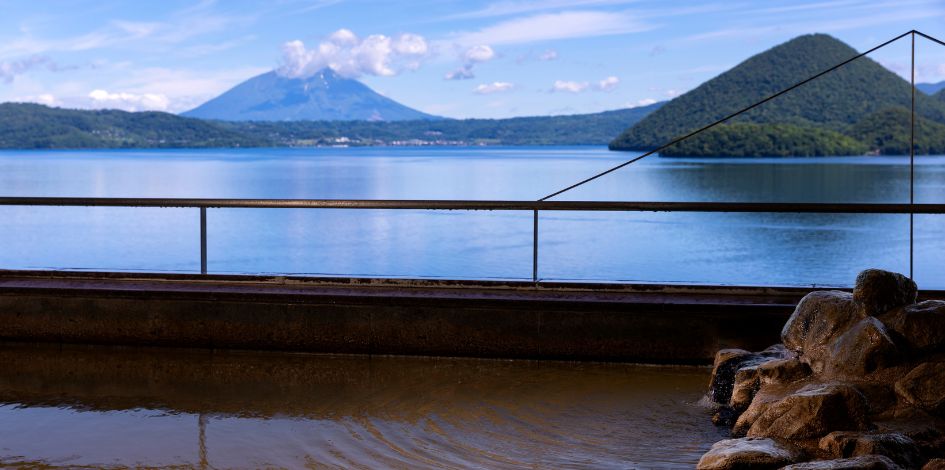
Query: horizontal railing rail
x: 484, y: 205
x: 471, y: 205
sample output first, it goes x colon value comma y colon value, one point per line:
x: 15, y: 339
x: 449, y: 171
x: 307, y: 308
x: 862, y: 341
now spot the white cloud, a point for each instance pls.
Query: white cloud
x: 550, y: 26
x: 550, y: 54
x: 350, y: 56
x: 47, y: 99
x: 480, y: 53
x: 643, y: 102
x: 129, y: 101
x: 608, y: 84
x: 494, y: 87
x: 570, y: 87
x: 463, y: 73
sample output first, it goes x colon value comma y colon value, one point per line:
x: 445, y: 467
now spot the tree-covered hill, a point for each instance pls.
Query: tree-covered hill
x: 833, y: 102
x: 33, y: 126
x: 888, y: 132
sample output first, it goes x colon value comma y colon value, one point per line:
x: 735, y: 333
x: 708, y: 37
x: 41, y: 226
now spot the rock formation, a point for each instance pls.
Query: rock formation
x: 859, y: 382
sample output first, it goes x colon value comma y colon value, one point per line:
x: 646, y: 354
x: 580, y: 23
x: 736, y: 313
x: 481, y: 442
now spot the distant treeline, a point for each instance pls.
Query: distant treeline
x: 33, y: 126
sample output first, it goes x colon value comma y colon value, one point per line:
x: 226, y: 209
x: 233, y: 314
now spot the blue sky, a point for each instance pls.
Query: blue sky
x: 451, y: 58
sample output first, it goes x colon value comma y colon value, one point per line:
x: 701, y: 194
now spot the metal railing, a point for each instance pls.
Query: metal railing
x: 466, y: 205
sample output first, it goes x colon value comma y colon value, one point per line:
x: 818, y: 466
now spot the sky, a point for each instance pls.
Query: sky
x: 459, y: 59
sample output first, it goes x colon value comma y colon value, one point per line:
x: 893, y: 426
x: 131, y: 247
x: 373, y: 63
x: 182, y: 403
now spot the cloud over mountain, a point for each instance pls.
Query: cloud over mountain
x: 351, y: 56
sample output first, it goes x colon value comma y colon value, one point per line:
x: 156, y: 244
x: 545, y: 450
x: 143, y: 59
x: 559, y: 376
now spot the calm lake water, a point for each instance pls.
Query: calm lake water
x: 119, y: 408
x: 781, y: 249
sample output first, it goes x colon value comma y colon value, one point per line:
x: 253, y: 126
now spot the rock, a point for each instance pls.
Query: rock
x: 921, y: 326
x: 935, y: 464
x: 724, y: 416
x: 748, y: 453
x: 727, y: 364
x: 866, y: 462
x: 899, y: 448
x: 813, y: 411
x: 927, y: 431
x: 877, y: 291
x: 782, y: 371
x: 766, y: 396
x: 924, y: 387
x: 862, y: 349
x: 818, y: 319
x: 747, y: 383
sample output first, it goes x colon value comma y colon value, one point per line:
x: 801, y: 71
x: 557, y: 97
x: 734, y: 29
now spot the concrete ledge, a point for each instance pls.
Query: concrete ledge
x: 605, y: 322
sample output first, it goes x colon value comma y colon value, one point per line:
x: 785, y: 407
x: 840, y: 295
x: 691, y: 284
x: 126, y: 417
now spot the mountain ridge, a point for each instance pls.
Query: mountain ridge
x: 324, y: 96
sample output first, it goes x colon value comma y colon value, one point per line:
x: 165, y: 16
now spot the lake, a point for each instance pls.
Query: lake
x: 95, y: 407
x: 770, y: 249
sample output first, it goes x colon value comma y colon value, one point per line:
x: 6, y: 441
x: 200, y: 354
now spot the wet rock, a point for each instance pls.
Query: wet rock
x: 747, y: 453
x: 782, y: 371
x: 728, y: 362
x: 747, y: 383
x: 724, y: 416
x: 924, y: 387
x: 819, y: 318
x: 921, y: 326
x: 813, y: 411
x: 768, y: 395
x: 927, y: 431
x: 877, y: 291
x: 866, y: 462
x: 935, y: 464
x: 898, y: 447
x: 861, y: 350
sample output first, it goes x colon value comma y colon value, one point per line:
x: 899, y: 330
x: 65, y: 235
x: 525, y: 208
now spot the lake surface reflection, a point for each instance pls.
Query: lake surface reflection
x: 783, y: 249
x: 78, y: 407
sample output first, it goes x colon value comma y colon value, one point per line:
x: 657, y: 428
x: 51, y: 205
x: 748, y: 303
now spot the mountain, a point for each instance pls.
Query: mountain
x: 833, y: 102
x: 577, y: 129
x: 325, y: 96
x: 930, y: 88
x: 34, y: 126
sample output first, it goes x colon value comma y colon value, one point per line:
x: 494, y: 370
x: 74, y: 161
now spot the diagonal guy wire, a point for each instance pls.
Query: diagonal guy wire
x: 743, y: 110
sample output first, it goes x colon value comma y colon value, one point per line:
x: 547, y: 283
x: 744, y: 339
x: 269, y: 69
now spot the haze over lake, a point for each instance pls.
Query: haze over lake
x: 791, y: 249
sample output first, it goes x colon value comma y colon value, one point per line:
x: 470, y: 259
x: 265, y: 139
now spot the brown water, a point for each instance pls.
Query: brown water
x: 111, y: 407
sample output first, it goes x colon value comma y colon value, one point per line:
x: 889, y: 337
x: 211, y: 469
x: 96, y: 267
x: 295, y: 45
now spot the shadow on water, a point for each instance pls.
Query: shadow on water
x: 116, y: 407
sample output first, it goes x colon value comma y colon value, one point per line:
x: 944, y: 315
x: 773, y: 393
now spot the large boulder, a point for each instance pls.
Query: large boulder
x: 898, y: 447
x: 861, y: 350
x: 732, y: 454
x: 866, y: 462
x: 813, y: 411
x: 819, y: 318
x: 921, y: 326
x: 783, y: 371
x: 877, y: 291
x: 924, y: 387
x: 749, y: 379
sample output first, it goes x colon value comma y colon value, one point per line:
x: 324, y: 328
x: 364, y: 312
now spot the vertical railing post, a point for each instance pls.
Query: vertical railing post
x: 535, y: 246
x: 912, y: 169
x: 203, y: 240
